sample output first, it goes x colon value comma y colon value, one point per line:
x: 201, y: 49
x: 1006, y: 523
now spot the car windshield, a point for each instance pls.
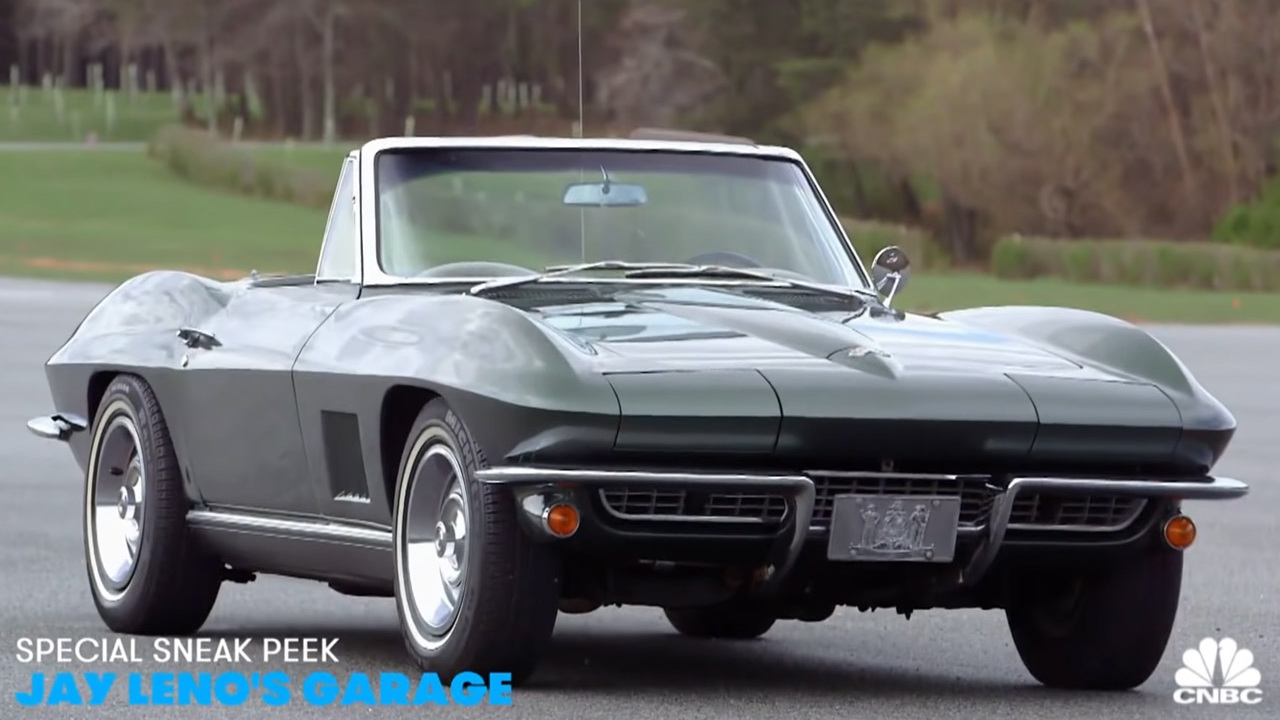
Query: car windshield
x: 471, y: 213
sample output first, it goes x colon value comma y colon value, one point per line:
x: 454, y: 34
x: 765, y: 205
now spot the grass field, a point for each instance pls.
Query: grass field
x: 309, y: 155
x: 32, y: 114
x: 961, y: 290
x: 108, y: 215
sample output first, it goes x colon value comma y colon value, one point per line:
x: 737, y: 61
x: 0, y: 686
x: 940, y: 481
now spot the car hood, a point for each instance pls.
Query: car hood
x: 724, y: 371
x: 702, y: 328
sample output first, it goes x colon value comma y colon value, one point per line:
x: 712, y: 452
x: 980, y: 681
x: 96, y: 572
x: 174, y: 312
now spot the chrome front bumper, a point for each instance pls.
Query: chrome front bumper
x: 1203, y: 488
x: 536, y: 484
x: 536, y: 488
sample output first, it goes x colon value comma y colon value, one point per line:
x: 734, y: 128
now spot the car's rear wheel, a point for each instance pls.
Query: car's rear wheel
x: 724, y: 621
x: 1102, y: 629
x: 473, y: 592
x: 146, y: 574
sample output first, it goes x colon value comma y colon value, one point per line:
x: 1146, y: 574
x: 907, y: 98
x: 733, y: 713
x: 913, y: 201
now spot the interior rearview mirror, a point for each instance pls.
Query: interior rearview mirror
x: 605, y: 194
x: 889, y: 270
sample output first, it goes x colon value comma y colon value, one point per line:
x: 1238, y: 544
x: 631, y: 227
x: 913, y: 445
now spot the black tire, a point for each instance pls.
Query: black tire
x: 1102, y: 630
x: 725, y: 621
x: 507, y: 608
x: 173, y: 584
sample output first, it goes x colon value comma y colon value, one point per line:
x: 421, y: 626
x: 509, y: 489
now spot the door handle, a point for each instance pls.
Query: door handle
x: 198, y: 338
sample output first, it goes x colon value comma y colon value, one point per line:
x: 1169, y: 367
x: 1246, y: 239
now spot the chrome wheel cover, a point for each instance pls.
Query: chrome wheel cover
x: 432, y: 537
x: 116, y: 493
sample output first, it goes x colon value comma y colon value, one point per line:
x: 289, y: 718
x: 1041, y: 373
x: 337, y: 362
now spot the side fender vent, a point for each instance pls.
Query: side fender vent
x: 343, y: 457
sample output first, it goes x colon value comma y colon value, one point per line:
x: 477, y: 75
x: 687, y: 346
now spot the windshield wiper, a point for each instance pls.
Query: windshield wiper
x: 726, y: 271
x: 660, y: 270
x: 559, y: 270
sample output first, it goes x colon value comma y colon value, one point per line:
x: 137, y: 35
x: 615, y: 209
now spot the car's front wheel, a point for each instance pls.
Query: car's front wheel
x: 473, y: 592
x: 146, y: 573
x: 1102, y: 629
x: 723, y: 621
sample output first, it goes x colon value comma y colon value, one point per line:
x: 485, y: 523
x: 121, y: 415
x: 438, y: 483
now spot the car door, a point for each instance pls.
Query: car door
x: 244, y: 443
x: 245, y: 438
x: 337, y: 409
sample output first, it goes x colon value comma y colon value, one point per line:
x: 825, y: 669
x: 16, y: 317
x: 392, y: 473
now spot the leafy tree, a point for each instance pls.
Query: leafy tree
x: 776, y: 55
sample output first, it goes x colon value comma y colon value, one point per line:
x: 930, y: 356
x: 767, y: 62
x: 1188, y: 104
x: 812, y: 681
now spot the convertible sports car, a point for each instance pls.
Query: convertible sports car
x: 534, y: 375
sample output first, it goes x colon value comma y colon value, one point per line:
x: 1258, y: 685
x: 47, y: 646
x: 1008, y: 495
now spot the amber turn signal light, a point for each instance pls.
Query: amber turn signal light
x: 561, y: 520
x: 1179, y: 532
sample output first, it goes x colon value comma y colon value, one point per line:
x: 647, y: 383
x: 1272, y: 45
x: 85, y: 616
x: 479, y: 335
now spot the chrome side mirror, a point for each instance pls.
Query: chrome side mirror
x: 890, y: 270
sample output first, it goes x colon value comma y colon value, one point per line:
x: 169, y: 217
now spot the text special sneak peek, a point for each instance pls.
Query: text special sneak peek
x: 81, y: 671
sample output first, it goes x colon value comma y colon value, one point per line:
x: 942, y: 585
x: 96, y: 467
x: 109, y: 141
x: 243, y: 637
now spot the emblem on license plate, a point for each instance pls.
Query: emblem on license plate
x: 894, y: 528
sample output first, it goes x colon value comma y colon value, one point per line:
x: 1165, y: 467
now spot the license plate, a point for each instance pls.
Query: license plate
x: 893, y: 528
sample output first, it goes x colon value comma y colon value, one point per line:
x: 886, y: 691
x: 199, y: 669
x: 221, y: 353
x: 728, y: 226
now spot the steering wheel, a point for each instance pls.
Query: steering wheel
x: 474, y: 269
x: 724, y: 257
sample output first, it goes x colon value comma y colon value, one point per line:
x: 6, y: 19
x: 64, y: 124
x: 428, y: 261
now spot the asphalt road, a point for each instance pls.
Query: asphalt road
x: 626, y: 663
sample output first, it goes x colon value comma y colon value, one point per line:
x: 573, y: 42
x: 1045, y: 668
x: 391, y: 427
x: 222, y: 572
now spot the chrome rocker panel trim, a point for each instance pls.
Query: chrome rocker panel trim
x: 306, y: 529
x: 802, y: 497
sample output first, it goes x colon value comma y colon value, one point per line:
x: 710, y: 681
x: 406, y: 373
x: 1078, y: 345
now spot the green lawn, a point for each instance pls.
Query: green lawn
x: 309, y: 155
x: 109, y: 215
x: 929, y: 292
x: 32, y: 114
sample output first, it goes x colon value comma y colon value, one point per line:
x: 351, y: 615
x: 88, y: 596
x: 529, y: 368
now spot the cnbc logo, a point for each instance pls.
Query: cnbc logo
x: 1218, y: 672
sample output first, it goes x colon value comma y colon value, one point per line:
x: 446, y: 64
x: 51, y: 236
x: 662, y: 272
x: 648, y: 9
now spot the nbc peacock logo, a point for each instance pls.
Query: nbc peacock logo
x: 1218, y: 672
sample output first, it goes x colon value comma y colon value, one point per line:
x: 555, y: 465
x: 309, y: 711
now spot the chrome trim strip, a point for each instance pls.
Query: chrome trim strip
x: 892, y: 475
x: 1208, y: 488
x: 58, y: 426
x: 349, y: 167
x: 351, y: 498
x: 523, y: 475
x: 786, y: 514
x: 302, y: 529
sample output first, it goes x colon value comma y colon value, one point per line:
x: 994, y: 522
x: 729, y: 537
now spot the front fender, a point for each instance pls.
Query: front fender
x: 523, y: 390
x: 440, y: 342
x: 134, y: 324
x: 131, y: 329
x: 1119, y: 348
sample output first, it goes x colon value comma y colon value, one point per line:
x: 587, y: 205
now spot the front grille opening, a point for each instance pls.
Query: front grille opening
x: 977, y: 493
x: 638, y: 503
x: 1103, y: 512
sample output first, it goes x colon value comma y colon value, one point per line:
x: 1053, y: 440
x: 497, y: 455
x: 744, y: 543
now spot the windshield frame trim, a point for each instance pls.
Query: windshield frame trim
x: 465, y: 283
x: 369, y: 221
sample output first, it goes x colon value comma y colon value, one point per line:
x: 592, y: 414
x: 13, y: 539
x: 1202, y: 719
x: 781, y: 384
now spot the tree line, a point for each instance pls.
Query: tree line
x: 1070, y: 118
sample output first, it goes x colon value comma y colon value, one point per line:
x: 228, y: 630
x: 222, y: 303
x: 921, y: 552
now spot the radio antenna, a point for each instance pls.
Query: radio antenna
x: 582, y: 122
x: 582, y: 115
